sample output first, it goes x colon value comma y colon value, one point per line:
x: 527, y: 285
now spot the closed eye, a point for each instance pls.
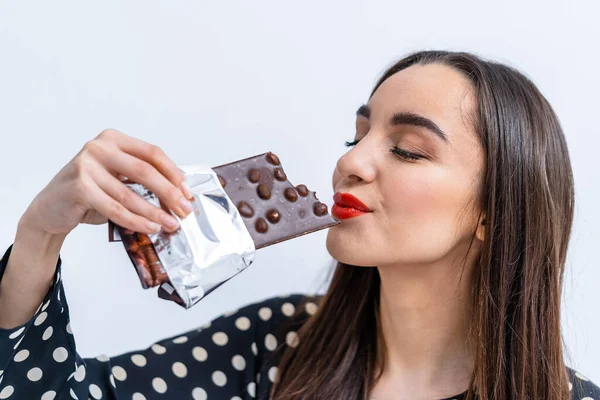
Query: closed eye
x: 407, y: 155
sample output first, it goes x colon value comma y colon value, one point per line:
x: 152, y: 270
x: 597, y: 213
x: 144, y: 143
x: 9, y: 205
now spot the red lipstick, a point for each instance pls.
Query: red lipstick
x: 347, y: 206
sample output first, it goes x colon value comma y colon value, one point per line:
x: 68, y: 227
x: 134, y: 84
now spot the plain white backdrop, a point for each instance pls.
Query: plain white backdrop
x: 212, y: 82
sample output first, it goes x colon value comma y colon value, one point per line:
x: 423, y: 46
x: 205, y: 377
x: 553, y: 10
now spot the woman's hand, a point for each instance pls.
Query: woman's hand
x: 89, y: 189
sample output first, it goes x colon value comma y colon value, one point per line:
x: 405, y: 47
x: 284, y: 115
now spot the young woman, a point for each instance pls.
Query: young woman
x: 456, y: 201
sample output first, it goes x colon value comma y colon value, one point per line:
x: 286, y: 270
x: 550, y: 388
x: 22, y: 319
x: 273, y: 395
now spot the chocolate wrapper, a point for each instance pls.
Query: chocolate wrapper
x: 211, y: 246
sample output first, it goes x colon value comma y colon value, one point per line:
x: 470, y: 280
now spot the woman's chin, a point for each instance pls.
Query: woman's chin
x: 346, y: 251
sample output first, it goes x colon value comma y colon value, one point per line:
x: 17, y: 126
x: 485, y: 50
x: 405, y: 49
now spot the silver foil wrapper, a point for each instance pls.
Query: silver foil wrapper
x: 211, y: 245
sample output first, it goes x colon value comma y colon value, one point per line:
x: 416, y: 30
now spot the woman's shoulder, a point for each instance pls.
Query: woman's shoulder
x: 582, y: 387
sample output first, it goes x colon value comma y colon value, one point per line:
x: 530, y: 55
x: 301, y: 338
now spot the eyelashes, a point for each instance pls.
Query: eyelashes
x: 406, y: 155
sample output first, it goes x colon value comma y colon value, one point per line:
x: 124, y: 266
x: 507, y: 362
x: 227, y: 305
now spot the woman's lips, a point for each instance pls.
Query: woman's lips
x: 347, y: 206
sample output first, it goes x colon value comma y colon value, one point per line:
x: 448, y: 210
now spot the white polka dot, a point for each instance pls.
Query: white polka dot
x: 95, y: 391
x: 199, y: 353
x: 16, y: 333
x: 69, y: 331
x: 238, y: 362
x: 73, y: 395
x: 46, y: 305
x: 40, y: 319
x: 139, y: 360
x: 7, y: 392
x: 50, y: 395
x: 60, y: 354
x: 159, y: 385
x: 179, y: 369
x: 254, y: 348
x: 180, y: 340
x: 119, y: 373
x: 34, y: 374
x: 138, y: 396
x: 580, y: 376
x: 270, y: 342
x: 587, y: 398
x: 311, y: 308
x: 103, y: 358
x: 22, y: 355
x: 112, y: 381
x: 273, y: 374
x: 265, y: 313
x: 199, y: 394
x: 288, y: 309
x: 80, y: 373
x: 158, y: 349
x: 18, y: 343
x: 252, y: 389
x: 220, y: 338
x: 219, y: 378
x: 47, y: 333
x: 242, y: 323
x: 292, y: 339
x: 236, y: 398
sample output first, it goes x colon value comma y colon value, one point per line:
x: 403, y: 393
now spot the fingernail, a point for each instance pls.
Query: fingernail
x: 186, y: 206
x: 152, y: 226
x: 186, y: 190
x: 169, y: 221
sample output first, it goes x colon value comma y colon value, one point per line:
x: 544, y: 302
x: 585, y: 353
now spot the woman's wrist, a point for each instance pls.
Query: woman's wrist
x: 29, y: 272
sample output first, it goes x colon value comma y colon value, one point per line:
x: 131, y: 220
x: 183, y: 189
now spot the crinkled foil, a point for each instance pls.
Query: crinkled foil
x: 211, y: 245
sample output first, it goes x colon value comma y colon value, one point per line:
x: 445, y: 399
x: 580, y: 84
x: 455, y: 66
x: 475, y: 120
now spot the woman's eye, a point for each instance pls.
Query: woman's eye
x: 352, y: 143
x: 407, y: 155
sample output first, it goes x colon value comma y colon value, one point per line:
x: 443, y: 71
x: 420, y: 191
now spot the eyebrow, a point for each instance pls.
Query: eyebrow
x: 408, y: 118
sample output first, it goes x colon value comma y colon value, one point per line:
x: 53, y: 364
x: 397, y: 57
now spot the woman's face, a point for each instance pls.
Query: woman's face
x: 424, y: 196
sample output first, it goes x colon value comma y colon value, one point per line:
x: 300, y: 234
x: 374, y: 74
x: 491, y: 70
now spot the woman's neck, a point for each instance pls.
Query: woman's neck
x: 425, y: 320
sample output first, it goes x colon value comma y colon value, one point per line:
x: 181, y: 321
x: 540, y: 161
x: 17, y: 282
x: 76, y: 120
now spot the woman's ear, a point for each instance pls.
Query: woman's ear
x: 481, y: 227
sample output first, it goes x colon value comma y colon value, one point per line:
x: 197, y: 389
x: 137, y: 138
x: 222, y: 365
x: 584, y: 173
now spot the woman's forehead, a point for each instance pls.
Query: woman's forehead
x: 435, y: 91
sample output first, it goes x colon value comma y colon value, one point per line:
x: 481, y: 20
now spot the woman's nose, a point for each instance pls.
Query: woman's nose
x: 358, y: 164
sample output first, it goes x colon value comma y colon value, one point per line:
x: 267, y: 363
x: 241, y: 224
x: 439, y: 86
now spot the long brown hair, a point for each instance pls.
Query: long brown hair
x: 527, y: 197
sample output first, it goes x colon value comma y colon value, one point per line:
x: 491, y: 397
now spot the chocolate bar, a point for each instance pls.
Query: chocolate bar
x: 273, y: 209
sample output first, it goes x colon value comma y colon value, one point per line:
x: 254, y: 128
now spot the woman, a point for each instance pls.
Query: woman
x: 449, y: 276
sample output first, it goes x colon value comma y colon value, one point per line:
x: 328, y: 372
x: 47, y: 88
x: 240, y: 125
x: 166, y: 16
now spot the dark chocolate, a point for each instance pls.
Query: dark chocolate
x: 320, y: 209
x: 280, y: 175
x: 273, y: 159
x: 254, y: 175
x: 245, y: 209
x: 302, y: 190
x: 290, y: 194
x: 273, y: 216
x: 263, y: 192
x: 290, y: 211
x: 261, y: 226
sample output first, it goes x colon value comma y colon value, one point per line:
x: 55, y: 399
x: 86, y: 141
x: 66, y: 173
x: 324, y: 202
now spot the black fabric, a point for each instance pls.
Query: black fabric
x: 234, y: 357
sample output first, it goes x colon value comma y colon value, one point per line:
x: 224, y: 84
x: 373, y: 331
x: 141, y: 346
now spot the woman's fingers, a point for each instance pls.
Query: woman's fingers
x: 156, y: 157
x: 132, y: 201
x: 118, y: 213
x: 136, y: 169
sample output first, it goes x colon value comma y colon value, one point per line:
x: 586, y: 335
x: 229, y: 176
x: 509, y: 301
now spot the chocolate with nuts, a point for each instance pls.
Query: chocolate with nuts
x: 280, y: 210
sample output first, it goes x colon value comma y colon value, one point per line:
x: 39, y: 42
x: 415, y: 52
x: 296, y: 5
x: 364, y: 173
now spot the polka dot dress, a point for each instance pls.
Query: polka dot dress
x: 232, y: 358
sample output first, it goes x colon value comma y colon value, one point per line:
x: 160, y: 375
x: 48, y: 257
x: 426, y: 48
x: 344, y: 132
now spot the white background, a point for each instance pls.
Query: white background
x: 213, y: 82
